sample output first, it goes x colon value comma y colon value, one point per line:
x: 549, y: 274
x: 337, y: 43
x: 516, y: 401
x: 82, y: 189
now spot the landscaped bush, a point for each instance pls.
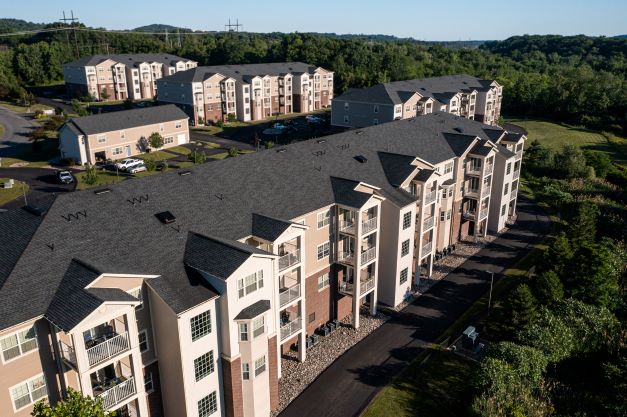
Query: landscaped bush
x: 197, y: 157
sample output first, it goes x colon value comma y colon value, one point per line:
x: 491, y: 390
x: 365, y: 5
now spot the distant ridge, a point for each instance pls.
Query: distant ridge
x: 15, y: 25
x: 159, y: 27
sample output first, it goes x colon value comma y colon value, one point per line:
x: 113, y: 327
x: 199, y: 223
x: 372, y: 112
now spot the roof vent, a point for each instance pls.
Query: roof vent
x: 361, y: 159
x: 36, y: 211
x: 290, y: 68
x: 458, y: 129
x: 344, y: 146
x: 321, y: 141
x: 138, y: 200
x: 165, y: 217
x: 319, y: 153
x: 102, y: 191
x: 181, y: 173
x: 423, y: 89
x: 281, y: 150
x: 75, y: 216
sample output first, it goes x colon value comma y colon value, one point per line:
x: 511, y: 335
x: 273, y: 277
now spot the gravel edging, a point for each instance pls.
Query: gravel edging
x: 296, y: 376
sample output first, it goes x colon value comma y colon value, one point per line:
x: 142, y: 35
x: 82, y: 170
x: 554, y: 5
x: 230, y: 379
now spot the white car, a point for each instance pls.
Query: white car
x: 127, y: 163
x: 136, y: 168
x: 279, y: 126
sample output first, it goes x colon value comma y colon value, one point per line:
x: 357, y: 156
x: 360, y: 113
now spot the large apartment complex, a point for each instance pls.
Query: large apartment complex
x: 248, y: 92
x: 121, y: 134
x: 175, y: 295
x: 120, y: 77
x: 461, y: 95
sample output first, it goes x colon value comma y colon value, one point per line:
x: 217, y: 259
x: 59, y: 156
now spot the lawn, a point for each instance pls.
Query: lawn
x: 22, y: 109
x: 104, y: 178
x: 49, y: 151
x: 1, y: 130
x: 156, y: 156
x: 438, y: 387
x: 180, y: 149
x: 10, y: 194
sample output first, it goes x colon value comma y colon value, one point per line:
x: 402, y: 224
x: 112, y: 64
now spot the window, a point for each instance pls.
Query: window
x: 258, y: 326
x: 509, y: 168
x: 406, y: 220
x: 312, y: 317
x: 245, y: 371
x: 453, y: 103
x: 323, y: 281
x: 208, y: 405
x: 143, y: 341
x: 403, y: 277
x: 448, y: 215
x: 345, y: 108
x: 442, y: 215
x: 201, y: 325
x: 375, y: 122
x: 178, y: 125
x: 376, y: 108
x: 405, y: 248
x: 122, y: 134
x: 503, y: 210
x: 28, y: 392
x: 116, y: 151
x: 450, y: 192
x: 168, y: 139
x: 243, y: 332
x: 161, y: 127
x: 323, y: 250
x: 506, y: 190
x: 137, y: 293
x: 18, y: 344
x: 345, y: 119
x: 448, y: 168
x: 203, y: 365
x: 249, y: 283
x: 101, y: 138
x: 324, y: 218
x: 148, y: 385
x: 260, y: 365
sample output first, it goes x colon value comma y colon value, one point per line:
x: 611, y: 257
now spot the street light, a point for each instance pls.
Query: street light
x: 491, y: 285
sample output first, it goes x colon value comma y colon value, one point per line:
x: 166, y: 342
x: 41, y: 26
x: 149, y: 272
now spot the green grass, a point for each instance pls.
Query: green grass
x: 1, y: 130
x: 49, y: 151
x: 221, y: 155
x: 10, y: 194
x: 156, y: 156
x: 180, y: 149
x: 22, y: 109
x: 436, y: 388
x: 104, y: 178
x: 209, y: 130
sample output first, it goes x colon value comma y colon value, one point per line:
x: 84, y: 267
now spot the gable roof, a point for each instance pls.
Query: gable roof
x: 397, y: 167
x: 344, y: 193
x: 268, y: 228
x: 128, y: 59
x: 253, y: 310
x: 126, y: 119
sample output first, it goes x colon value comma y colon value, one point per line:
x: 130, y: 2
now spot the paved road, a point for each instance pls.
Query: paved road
x: 16, y: 130
x: 223, y: 142
x: 54, y: 103
x: 346, y: 387
x: 42, y: 182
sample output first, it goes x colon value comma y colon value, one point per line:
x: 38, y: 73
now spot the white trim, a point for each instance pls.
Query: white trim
x: 21, y: 355
x: 145, y: 332
x: 29, y: 392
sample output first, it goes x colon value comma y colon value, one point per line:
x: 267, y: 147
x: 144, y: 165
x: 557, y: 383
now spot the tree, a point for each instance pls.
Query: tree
x: 91, y: 175
x: 233, y: 152
x: 523, y: 305
x: 231, y: 117
x: 549, y: 288
x: 155, y: 140
x: 269, y: 144
x: 529, y: 363
x: 559, y: 254
x: 104, y: 94
x: 570, y: 162
x: 128, y: 104
x: 549, y: 334
x: 582, y: 222
x: 197, y: 157
x: 74, y: 405
x: 594, y: 328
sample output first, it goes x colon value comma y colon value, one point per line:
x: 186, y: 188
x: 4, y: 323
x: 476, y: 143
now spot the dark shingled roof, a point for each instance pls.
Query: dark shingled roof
x: 217, y: 257
x: 268, y: 228
x: 424, y: 175
x: 217, y: 199
x: 483, y: 148
x: 128, y: 59
x: 253, y: 310
x: 127, y: 119
x: 397, y: 167
x: 345, y: 194
x: 494, y: 134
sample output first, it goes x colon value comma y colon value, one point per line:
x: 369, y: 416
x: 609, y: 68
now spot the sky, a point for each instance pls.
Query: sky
x: 419, y: 19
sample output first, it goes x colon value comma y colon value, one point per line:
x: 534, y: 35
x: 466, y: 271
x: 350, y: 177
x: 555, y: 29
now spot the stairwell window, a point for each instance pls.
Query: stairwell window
x: 18, y: 344
x: 403, y: 277
x: 323, y: 281
x: 509, y: 168
x: 506, y: 190
x: 376, y: 108
x: 245, y: 371
x: 503, y: 208
x: 203, y: 365
x: 442, y: 216
x: 143, y: 341
x: 405, y: 248
x: 406, y: 220
x: 260, y: 366
x: 200, y: 325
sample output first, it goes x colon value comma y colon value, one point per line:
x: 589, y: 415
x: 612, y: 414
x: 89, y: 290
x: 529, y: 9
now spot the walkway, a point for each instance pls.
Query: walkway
x: 347, y: 386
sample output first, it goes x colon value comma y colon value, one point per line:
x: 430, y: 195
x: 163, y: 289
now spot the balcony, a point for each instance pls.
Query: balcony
x: 288, y: 295
x: 471, y: 192
x: 518, y: 156
x: 346, y: 257
x: 470, y: 214
x: 346, y: 287
x: 473, y: 170
x: 289, y: 259
x: 483, y: 213
x: 516, y: 174
x: 290, y: 328
x: 368, y: 225
x: 106, y: 348
x: 513, y: 194
x: 489, y: 168
x: 486, y: 190
x: 428, y: 223
x: 430, y: 197
x: 347, y: 226
x: 121, y: 390
x: 426, y: 248
x: 368, y: 255
x: 67, y: 353
x: 366, y: 285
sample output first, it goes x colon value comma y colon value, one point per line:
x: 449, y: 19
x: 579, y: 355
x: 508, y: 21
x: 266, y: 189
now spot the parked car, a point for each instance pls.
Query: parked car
x: 136, y: 168
x: 65, y: 177
x: 279, y: 126
x: 315, y: 119
x: 127, y: 163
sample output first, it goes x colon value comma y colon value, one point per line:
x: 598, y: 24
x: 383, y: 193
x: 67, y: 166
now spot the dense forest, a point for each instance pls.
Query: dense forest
x: 576, y: 79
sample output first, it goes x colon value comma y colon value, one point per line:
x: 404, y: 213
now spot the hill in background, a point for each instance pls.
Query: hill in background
x: 16, y: 25
x: 159, y: 27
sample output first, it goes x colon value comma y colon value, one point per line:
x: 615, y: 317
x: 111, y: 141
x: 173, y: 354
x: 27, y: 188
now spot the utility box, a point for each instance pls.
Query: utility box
x: 470, y: 338
x: 7, y: 184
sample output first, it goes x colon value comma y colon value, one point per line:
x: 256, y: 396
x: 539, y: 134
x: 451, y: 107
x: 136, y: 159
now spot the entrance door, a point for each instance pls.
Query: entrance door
x: 128, y: 150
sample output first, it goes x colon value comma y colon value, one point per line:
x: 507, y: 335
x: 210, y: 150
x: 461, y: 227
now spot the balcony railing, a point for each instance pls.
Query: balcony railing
x: 346, y: 257
x: 473, y: 170
x: 67, y: 353
x: 486, y: 190
x: 470, y: 214
x: 290, y: 328
x: 516, y: 174
x: 426, y: 248
x: 430, y: 197
x: 289, y: 259
x: 513, y: 194
x: 366, y: 285
x: 368, y: 255
x: 518, y: 156
x: 489, y: 168
x: 347, y: 226
x: 368, y: 226
x: 428, y: 223
x: 118, y: 393
x: 346, y: 287
x: 483, y: 213
x: 289, y: 295
x: 108, y: 349
x: 471, y: 192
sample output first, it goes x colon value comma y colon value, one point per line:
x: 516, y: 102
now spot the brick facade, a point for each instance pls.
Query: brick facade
x: 233, y: 395
x: 274, y: 373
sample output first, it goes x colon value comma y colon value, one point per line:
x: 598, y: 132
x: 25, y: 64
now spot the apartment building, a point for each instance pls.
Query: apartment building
x: 248, y: 92
x: 176, y: 295
x: 461, y: 95
x: 121, y: 134
x: 122, y: 76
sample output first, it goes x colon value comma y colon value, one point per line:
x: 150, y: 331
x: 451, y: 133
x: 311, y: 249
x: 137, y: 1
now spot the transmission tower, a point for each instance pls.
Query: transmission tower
x: 233, y: 27
x: 72, y: 21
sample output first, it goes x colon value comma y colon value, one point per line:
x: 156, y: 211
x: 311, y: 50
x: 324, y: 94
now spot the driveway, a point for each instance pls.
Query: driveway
x: 223, y: 142
x: 42, y: 182
x: 347, y: 386
x: 16, y: 131
x: 55, y: 103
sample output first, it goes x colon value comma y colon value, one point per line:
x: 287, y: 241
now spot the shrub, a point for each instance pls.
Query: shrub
x: 201, y: 121
x: 68, y: 161
x: 150, y: 165
x: 220, y: 123
x: 269, y: 144
x: 549, y: 288
x: 197, y: 157
x: 91, y: 175
x: 233, y: 152
x: 231, y: 117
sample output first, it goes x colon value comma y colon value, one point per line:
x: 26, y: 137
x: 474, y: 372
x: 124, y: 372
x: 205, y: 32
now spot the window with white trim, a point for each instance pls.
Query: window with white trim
x: 200, y: 325
x: 143, y: 340
x: 259, y: 326
x: 323, y: 281
x: 116, y: 151
x: 503, y: 208
x: 506, y: 190
x: 346, y: 119
x: 243, y: 332
x: 406, y: 220
x: 260, y: 365
x: 28, y: 392
x: 178, y: 125
x: 405, y: 248
x: 323, y: 250
x: 203, y: 365
x: 101, y: 138
x: 376, y: 108
x: 245, y: 371
x: 324, y: 218
x: 448, y: 167
x: 249, y: 284
x: 148, y: 384
x: 168, y: 139
x: 18, y: 344
x: 442, y: 215
x: 403, y: 276
x: 208, y: 405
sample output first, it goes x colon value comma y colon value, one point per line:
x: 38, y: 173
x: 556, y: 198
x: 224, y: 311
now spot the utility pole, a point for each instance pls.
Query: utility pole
x: 166, y: 37
x: 178, y: 35
x: 233, y: 27
x: 72, y: 21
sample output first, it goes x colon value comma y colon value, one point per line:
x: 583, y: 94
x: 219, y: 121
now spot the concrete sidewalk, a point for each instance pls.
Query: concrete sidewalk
x: 346, y: 387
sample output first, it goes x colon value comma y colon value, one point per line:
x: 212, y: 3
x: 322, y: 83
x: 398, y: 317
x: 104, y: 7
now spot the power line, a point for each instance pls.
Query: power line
x: 72, y: 20
x: 121, y: 32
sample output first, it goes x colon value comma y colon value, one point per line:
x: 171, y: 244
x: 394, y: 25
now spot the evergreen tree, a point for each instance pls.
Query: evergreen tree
x: 582, y: 222
x: 558, y: 255
x: 523, y: 305
x: 549, y: 288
